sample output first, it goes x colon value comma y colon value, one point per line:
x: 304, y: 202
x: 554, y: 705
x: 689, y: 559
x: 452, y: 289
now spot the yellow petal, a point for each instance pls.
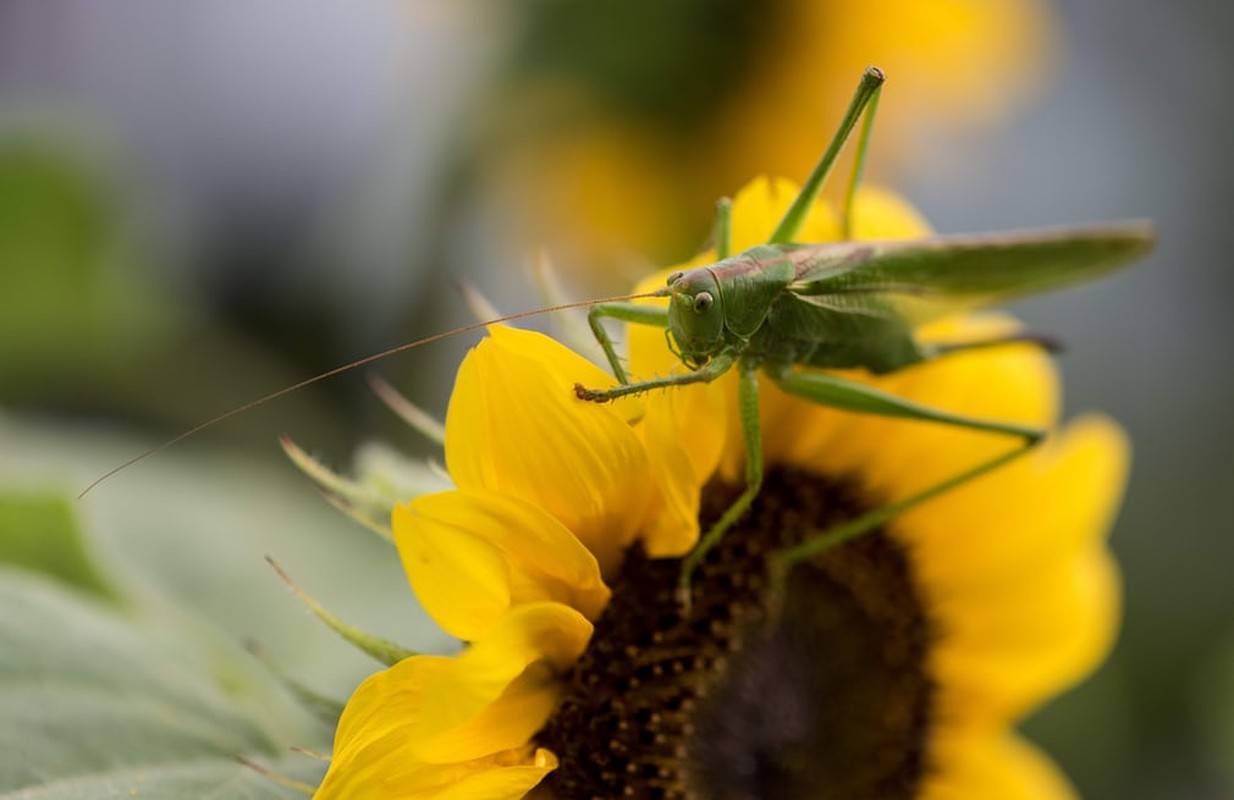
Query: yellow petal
x: 882, y: 214
x: 501, y: 689
x: 514, y: 426
x: 431, y: 722
x: 515, y: 715
x: 1035, y: 512
x: 1003, y: 652
x: 1016, y: 573
x: 370, y: 752
x: 373, y: 758
x: 647, y: 348
x: 683, y: 432
x: 992, y: 764
x: 498, y: 783
x: 759, y: 207
x: 471, y: 555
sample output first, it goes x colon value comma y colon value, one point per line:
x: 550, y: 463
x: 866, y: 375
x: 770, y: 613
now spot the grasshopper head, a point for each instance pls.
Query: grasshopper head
x: 696, y: 315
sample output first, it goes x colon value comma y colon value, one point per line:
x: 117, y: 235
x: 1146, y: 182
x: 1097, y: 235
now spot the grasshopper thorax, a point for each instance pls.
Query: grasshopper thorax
x: 696, y: 315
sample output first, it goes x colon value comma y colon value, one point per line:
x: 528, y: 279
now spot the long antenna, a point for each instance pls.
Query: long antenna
x: 353, y: 365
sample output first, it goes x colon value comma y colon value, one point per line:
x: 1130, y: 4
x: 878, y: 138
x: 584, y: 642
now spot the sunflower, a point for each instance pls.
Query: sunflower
x: 605, y: 144
x: 893, y: 667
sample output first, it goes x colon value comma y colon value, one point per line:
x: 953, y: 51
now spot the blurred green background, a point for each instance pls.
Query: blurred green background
x: 202, y: 202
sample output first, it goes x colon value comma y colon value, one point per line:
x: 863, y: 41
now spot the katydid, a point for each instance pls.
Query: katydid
x: 789, y: 310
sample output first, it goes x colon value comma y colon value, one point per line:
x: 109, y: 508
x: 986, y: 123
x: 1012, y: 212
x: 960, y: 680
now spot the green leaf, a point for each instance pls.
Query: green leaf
x: 153, y: 697
x: 213, y: 780
x: 39, y: 532
x: 191, y: 530
x: 95, y: 704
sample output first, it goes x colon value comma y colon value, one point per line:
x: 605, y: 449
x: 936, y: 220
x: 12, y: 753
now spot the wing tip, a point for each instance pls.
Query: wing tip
x: 1132, y: 238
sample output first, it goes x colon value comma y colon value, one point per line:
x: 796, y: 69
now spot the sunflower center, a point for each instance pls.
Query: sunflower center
x: 827, y: 697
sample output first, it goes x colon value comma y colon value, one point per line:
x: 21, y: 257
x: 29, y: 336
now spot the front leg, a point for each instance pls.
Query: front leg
x: 713, y: 369
x: 626, y: 312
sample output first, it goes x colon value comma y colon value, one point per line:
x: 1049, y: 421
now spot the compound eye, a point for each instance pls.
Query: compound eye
x: 674, y: 277
x: 703, y: 301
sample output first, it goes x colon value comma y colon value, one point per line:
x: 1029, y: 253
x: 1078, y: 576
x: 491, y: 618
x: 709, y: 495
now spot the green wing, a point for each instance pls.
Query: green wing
x: 924, y: 279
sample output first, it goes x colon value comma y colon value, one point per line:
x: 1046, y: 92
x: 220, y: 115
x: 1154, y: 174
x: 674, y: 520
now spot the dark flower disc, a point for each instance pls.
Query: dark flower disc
x: 817, y: 691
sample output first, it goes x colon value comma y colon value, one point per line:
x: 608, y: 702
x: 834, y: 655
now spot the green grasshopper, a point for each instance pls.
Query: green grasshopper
x: 782, y: 307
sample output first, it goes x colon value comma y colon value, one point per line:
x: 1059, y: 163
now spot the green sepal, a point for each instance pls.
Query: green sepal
x: 327, y: 478
x: 386, y: 478
x: 420, y: 420
x: 382, y: 530
x: 326, y: 709
x: 382, y: 650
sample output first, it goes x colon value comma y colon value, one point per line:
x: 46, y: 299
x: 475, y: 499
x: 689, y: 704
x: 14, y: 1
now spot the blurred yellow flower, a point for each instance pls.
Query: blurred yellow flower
x: 629, y: 134
x: 896, y: 665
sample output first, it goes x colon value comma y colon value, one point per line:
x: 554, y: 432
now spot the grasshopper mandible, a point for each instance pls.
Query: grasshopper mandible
x: 781, y: 308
